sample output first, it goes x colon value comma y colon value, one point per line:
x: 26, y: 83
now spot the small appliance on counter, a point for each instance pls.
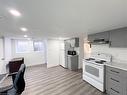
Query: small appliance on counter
x: 72, y: 52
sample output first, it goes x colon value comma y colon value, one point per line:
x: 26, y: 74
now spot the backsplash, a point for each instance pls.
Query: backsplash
x: 118, y: 54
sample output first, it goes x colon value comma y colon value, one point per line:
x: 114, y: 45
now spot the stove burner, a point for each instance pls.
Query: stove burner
x: 100, y: 62
x: 90, y: 59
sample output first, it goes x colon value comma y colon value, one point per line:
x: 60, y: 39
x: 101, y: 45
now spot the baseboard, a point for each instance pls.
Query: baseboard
x: 35, y: 65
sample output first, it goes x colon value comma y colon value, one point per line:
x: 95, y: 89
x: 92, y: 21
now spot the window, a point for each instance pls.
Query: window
x: 38, y: 46
x: 23, y: 46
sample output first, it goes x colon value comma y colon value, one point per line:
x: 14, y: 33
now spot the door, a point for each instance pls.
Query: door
x: 62, y: 54
x: 52, y: 53
x: 2, y: 65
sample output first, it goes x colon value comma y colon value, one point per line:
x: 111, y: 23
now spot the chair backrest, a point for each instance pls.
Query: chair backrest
x: 19, y: 82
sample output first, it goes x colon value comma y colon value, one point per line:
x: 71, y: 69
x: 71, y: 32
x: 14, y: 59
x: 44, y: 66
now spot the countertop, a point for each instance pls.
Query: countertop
x: 72, y: 55
x: 121, y: 66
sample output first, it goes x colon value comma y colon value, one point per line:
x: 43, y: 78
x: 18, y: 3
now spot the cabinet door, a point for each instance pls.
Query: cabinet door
x: 91, y: 37
x: 69, y: 62
x: 76, y: 42
x: 124, y: 86
x: 72, y: 42
x: 116, y: 84
x: 101, y: 35
x: 118, y: 37
x: 67, y: 47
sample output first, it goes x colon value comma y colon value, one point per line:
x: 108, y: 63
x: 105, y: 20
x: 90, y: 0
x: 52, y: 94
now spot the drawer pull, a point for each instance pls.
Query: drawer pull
x: 115, y: 90
x: 114, y: 80
x: 115, y: 71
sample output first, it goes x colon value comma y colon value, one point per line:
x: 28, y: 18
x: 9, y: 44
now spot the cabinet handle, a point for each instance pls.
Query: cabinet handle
x: 115, y: 90
x: 115, y: 71
x: 114, y: 80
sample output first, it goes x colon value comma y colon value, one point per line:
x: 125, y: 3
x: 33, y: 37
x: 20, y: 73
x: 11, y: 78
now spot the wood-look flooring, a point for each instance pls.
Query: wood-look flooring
x: 56, y: 81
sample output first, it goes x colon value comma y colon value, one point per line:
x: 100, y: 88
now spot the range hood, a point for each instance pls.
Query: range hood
x: 99, y: 41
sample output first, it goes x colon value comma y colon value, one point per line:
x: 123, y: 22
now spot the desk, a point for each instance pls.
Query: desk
x: 6, y: 83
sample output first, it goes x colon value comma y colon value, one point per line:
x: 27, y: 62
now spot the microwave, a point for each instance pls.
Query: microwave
x: 71, y: 52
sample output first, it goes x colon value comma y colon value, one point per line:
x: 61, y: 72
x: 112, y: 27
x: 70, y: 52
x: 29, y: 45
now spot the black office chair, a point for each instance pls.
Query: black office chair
x: 19, y: 83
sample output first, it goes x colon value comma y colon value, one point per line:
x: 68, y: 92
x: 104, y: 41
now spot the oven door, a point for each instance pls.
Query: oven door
x: 94, y: 71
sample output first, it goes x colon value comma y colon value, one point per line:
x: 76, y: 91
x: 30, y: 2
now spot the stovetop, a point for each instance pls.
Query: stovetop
x: 100, y: 61
x: 97, y: 61
x: 89, y: 59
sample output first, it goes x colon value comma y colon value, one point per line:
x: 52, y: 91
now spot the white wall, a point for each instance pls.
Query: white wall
x: 53, y: 53
x: 6, y: 44
x: 2, y: 64
x: 81, y: 50
x: 119, y: 54
x: 31, y: 58
x: 7, y: 50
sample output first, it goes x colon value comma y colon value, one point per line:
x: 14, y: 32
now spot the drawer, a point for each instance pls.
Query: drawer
x: 115, y: 80
x: 112, y: 92
x: 115, y: 90
x: 116, y: 71
x: 114, y: 85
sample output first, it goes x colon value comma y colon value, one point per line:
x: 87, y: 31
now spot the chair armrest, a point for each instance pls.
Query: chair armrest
x: 13, y: 73
x: 5, y: 89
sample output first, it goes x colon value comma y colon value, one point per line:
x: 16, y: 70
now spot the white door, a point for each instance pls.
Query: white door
x: 2, y: 65
x: 52, y: 53
x: 62, y: 53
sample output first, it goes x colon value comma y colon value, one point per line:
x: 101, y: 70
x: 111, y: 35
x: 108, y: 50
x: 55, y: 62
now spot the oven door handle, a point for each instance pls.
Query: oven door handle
x: 94, y: 65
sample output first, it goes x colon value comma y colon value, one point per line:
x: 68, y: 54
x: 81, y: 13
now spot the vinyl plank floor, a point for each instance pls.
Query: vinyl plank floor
x: 56, y: 81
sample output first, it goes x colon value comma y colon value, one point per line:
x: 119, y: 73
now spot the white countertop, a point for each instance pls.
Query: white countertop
x: 121, y: 66
x: 72, y: 55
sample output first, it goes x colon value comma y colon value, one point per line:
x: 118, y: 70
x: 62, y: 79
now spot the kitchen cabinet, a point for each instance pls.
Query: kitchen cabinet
x: 71, y: 44
x: 101, y: 35
x: 67, y: 47
x: 116, y: 81
x: 72, y: 62
x: 74, y: 42
x: 118, y: 37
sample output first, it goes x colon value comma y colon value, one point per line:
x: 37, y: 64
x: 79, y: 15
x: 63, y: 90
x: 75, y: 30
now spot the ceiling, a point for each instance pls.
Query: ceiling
x: 61, y: 18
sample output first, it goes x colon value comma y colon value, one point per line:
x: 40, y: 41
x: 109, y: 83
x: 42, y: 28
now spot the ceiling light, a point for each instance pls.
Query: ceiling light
x: 25, y: 36
x: 15, y: 12
x: 28, y: 38
x: 24, y: 29
x: 60, y: 38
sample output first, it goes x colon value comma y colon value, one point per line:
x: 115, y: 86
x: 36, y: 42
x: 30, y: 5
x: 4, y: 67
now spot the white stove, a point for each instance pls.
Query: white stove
x: 93, y: 69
